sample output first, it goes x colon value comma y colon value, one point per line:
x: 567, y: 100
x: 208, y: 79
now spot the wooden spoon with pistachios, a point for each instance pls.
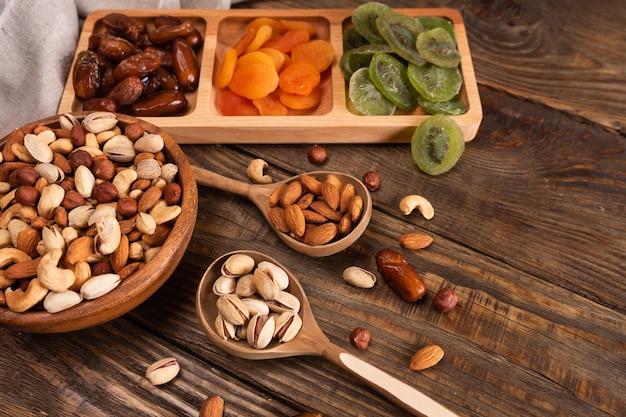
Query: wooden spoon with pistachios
x: 260, y: 194
x: 310, y: 340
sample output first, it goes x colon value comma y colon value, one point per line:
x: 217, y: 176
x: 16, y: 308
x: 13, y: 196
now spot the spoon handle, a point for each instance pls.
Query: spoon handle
x: 214, y: 180
x: 400, y: 393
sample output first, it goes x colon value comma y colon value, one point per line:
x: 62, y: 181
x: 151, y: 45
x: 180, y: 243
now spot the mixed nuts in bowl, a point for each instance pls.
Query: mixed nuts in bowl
x: 96, y: 211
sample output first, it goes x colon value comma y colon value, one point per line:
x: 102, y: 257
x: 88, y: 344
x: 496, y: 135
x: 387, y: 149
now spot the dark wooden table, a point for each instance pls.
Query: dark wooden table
x: 529, y: 230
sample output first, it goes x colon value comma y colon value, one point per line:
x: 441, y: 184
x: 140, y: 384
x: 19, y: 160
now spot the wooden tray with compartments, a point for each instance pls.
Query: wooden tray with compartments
x: 330, y: 122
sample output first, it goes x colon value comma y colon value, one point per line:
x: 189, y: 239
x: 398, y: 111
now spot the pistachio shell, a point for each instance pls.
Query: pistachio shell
x: 150, y: 142
x: 288, y: 324
x: 245, y: 286
x: 59, y: 301
x: 224, y: 285
x: 256, y: 306
x: 237, y: 265
x: 38, y: 148
x: 359, y: 277
x: 265, y: 285
x: 225, y: 329
x: 260, y: 331
x: 232, y: 309
x: 99, y: 121
x: 284, y: 301
x: 278, y: 275
x: 162, y: 371
x: 120, y: 149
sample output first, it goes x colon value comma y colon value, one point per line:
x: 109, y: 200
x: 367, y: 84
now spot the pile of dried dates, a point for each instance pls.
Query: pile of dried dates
x: 139, y: 70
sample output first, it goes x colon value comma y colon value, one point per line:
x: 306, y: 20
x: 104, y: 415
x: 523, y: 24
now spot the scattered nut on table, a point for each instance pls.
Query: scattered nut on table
x: 360, y: 338
x: 359, y: 277
x: 412, y: 202
x: 162, y: 371
x: 426, y: 357
x: 415, y: 241
x: 445, y: 300
x: 213, y: 406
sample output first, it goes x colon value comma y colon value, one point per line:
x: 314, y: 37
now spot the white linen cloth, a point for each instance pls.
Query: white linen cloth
x: 37, y: 43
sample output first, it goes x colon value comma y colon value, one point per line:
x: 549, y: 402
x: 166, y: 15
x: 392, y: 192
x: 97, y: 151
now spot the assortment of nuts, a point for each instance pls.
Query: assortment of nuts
x: 253, y: 302
x: 315, y: 211
x: 138, y: 68
x: 82, y: 207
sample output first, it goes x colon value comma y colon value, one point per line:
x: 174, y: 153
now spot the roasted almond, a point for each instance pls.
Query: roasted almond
x: 311, y: 184
x: 149, y: 198
x: 276, y: 215
x: 322, y: 208
x: 320, y: 235
x: 212, y: 407
x: 119, y: 257
x: 276, y: 195
x: 426, y: 357
x: 22, y: 270
x: 295, y: 219
x: 415, y: 240
x: 79, y: 250
x: 347, y: 192
x: 331, y: 195
x: 292, y: 194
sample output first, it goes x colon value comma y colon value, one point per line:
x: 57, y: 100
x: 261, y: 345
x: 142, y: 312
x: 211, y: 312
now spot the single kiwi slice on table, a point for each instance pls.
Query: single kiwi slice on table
x: 389, y: 74
x: 366, y: 97
x: 364, y: 20
x: 360, y: 57
x: 435, y: 83
x: 437, y: 144
x: 437, y: 46
x: 453, y: 107
x: 431, y: 22
x: 401, y: 32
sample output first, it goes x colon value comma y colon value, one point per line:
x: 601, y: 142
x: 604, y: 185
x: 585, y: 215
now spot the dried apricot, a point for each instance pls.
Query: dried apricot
x: 225, y: 73
x: 254, y: 81
x: 270, y: 105
x: 278, y: 57
x: 299, y: 78
x: 277, y: 28
x: 287, y: 24
x: 263, y: 34
x: 300, y: 102
x: 231, y: 104
x: 288, y: 40
x: 318, y: 52
x: 255, y: 57
x: 244, y: 41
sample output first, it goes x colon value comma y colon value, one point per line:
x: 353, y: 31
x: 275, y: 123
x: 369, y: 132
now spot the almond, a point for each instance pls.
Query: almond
x: 79, y: 250
x: 295, y: 219
x: 119, y: 257
x: 426, y: 357
x: 27, y: 241
x: 313, y: 217
x: 161, y: 233
x: 322, y: 208
x: 22, y: 270
x: 276, y: 195
x: 320, y: 235
x: 276, y: 216
x: 149, y: 198
x: 292, y: 194
x: 311, y: 184
x: 415, y: 241
x: 212, y: 407
x: 347, y: 192
x: 331, y: 195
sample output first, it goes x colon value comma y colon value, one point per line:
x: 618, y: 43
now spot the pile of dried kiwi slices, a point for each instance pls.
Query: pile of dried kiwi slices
x: 408, y: 61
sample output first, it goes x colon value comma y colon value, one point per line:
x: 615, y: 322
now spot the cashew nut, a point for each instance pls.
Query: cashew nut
x: 411, y: 202
x: 255, y: 171
x: 123, y: 181
x: 51, y: 276
x: 20, y: 300
x: 17, y: 211
x: 10, y: 256
x: 108, y: 235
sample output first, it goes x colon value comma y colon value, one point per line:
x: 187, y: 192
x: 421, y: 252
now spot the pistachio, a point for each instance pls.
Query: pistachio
x: 284, y: 301
x: 52, y: 173
x: 276, y: 273
x: 59, y: 301
x: 359, y: 277
x: 51, y: 197
x: 150, y: 142
x: 224, y: 285
x: 260, y: 331
x: 99, y: 285
x: 146, y: 223
x: 97, y: 122
x: 38, y: 148
x: 169, y: 172
x: 245, y: 286
x: 84, y: 181
x: 232, y: 309
x: 237, y: 265
x: 265, y: 285
x: 225, y: 329
x: 119, y: 149
x: 288, y: 324
x: 256, y: 306
x: 108, y: 235
x: 162, y: 371
x: 149, y: 169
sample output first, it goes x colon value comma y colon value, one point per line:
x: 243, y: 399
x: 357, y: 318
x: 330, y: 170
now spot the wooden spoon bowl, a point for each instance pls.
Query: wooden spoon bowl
x: 309, y: 341
x: 259, y: 194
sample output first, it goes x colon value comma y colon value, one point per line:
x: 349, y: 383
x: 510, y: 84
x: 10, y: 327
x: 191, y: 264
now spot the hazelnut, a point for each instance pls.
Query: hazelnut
x: 127, y: 207
x: 25, y: 175
x: 68, y: 184
x: 371, y: 180
x: 72, y: 200
x: 445, y: 300
x: 103, y: 168
x: 105, y: 192
x: 26, y: 195
x: 80, y: 157
x: 316, y: 155
x: 172, y: 193
x: 77, y: 136
x: 360, y: 338
x: 133, y: 131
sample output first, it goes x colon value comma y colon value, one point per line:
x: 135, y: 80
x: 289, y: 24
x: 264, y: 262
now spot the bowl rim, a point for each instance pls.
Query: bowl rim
x: 140, y: 285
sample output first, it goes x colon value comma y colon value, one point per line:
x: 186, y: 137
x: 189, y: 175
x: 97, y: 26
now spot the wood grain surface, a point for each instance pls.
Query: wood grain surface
x: 528, y: 229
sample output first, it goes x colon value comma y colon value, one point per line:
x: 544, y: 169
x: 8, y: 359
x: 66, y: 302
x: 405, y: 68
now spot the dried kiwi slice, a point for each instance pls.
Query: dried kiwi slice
x: 431, y: 22
x: 435, y: 83
x: 364, y: 19
x: 389, y: 75
x: 366, y: 97
x: 452, y: 107
x: 437, y: 46
x: 351, y: 38
x: 401, y: 32
x: 360, y: 57
x: 437, y: 144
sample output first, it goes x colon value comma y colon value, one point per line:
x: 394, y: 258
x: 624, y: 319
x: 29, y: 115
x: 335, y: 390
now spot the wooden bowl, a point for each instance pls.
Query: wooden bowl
x: 140, y: 285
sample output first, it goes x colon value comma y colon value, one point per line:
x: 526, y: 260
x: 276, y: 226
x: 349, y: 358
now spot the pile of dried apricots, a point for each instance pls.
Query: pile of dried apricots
x: 275, y: 67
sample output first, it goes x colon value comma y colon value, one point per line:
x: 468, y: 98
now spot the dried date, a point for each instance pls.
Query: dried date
x: 161, y: 103
x: 138, y: 64
x: 186, y: 65
x: 124, y: 26
x: 400, y: 275
x: 86, y: 75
